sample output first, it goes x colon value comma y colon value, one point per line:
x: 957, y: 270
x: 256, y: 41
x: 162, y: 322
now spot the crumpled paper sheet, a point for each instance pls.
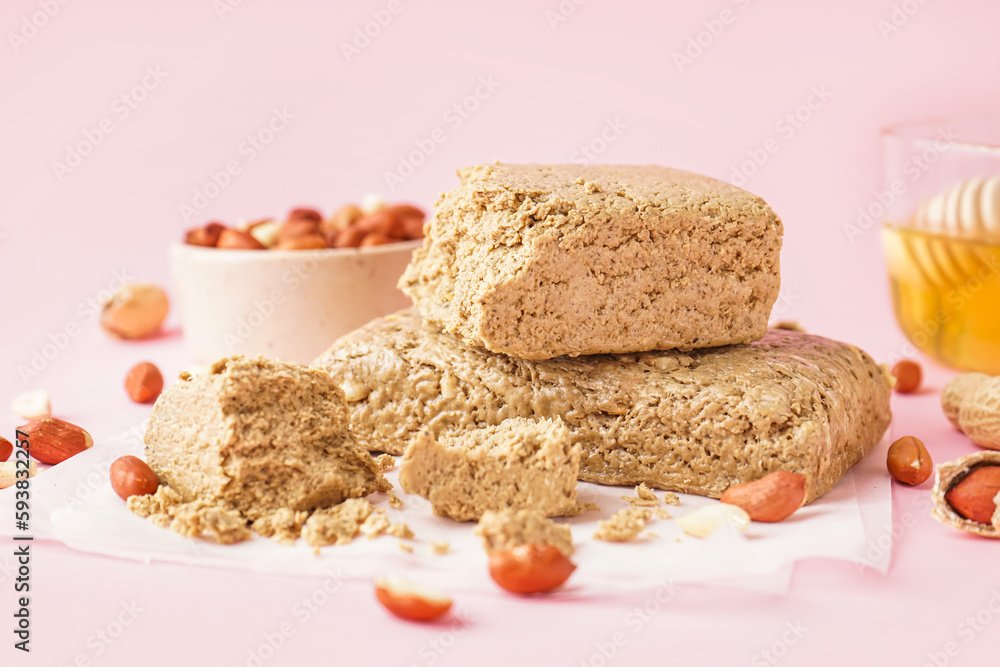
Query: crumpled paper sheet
x: 73, y: 503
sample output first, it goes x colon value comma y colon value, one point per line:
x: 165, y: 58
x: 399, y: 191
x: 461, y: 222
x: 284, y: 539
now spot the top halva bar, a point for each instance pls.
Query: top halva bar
x: 538, y: 261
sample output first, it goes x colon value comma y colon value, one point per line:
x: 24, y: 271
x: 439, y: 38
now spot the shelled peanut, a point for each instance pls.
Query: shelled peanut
x: 530, y: 568
x: 774, y: 497
x: 907, y: 376
x: 909, y: 462
x: 135, y: 311
x: 306, y: 229
x: 409, y: 600
x: 966, y: 493
x: 131, y: 476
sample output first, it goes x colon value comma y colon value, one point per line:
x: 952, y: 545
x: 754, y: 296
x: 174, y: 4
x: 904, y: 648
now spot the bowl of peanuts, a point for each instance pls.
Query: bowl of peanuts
x: 286, y: 289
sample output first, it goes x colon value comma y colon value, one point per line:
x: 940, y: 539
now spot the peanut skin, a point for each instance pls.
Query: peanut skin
x: 973, y: 496
x: 131, y: 476
x: 530, y: 568
x: 908, y: 461
x: 773, y: 497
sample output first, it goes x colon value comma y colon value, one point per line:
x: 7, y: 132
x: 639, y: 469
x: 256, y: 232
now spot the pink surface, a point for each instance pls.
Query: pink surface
x: 605, y: 77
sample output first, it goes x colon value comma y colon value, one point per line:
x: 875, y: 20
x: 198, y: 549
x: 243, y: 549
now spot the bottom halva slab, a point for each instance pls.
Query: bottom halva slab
x: 694, y: 422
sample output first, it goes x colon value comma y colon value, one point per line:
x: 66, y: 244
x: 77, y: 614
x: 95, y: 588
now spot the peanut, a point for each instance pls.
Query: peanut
x: 530, y: 568
x: 305, y: 214
x: 32, y: 404
x: 908, y: 376
x: 955, y: 498
x: 131, y: 476
x: 266, y: 232
x: 349, y: 238
x: 350, y: 226
x: 9, y: 472
x: 410, y: 601
x: 135, y: 311
x: 375, y: 238
x: 342, y: 218
x: 979, y: 414
x: 957, y: 391
x: 413, y: 228
x: 295, y: 229
x: 235, y: 239
x: 206, y: 236
x: 411, y: 220
x: 406, y: 211
x: 383, y: 221
x: 908, y: 461
x: 974, y: 496
x: 313, y: 241
x: 773, y: 497
x: 144, y: 382
x: 706, y: 520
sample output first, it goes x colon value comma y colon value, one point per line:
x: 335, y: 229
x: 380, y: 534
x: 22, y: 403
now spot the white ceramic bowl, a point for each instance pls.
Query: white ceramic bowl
x: 283, y: 304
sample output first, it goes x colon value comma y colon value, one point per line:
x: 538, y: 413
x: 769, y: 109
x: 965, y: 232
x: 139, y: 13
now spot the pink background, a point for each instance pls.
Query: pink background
x: 555, y: 89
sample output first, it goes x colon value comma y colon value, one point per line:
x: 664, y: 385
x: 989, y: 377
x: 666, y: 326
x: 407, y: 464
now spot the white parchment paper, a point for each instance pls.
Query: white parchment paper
x: 73, y: 503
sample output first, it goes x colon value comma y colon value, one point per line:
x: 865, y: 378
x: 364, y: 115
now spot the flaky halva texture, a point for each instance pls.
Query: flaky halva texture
x: 693, y: 422
x: 196, y: 518
x: 519, y: 464
x: 258, y: 436
x: 538, y: 261
x: 948, y: 475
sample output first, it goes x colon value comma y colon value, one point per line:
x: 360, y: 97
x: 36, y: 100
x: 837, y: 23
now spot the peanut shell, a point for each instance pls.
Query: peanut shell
x: 951, y: 473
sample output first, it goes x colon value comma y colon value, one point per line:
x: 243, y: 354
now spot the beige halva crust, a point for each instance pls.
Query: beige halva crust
x: 693, y: 422
x: 258, y: 436
x: 538, y: 261
x: 520, y: 463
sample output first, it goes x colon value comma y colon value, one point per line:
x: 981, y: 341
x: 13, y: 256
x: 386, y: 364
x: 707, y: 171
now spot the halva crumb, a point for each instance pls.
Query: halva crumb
x: 338, y: 524
x: 624, y: 525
